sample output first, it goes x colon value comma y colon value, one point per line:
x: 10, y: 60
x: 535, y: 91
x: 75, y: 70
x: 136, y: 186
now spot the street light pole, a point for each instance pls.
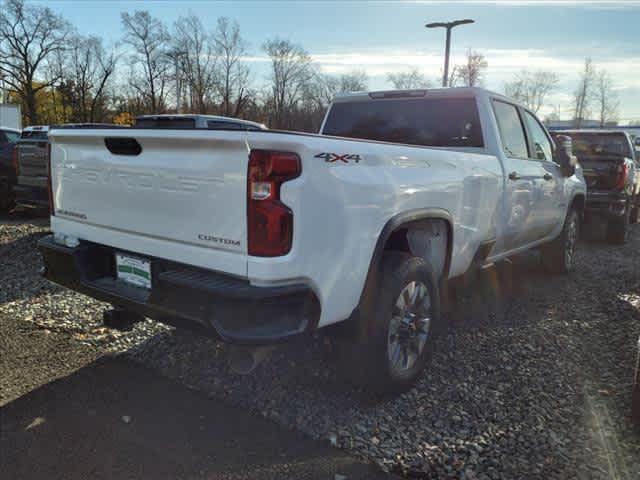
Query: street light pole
x: 449, y: 26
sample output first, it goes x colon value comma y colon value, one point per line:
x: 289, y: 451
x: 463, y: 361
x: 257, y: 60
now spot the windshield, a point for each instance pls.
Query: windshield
x: 600, y: 144
x: 434, y: 122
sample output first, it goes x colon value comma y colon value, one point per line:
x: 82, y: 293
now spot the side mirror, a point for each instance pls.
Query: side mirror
x: 637, y: 141
x: 564, y: 156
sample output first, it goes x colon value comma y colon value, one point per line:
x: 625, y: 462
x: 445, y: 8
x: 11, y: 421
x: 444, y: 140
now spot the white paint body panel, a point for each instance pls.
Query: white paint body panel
x: 339, y: 209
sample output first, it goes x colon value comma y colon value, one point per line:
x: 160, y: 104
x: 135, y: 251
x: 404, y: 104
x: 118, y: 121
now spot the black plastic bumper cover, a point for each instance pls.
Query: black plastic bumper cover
x: 606, y: 204
x: 238, y: 311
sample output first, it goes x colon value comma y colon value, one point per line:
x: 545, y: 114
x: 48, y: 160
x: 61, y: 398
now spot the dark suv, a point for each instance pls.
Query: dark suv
x: 8, y: 139
x: 32, y: 164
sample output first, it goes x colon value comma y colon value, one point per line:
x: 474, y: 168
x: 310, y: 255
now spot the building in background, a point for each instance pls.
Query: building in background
x: 10, y: 116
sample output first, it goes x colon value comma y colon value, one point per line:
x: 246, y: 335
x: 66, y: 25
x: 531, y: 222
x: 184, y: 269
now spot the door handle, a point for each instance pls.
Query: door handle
x: 514, y: 176
x: 547, y: 176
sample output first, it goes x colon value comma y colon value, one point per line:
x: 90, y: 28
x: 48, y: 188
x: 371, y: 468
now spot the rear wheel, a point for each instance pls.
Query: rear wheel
x: 618, y: 229
x: 559, y: 255
x: 635, y: 212
x: 402, y: 325
x: 6, y: 196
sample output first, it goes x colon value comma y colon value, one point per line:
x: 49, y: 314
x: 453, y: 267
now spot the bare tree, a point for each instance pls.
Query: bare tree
x: 290, y: 71
x: 85, y: 75
x: 471, y: 73
x: 583, y: 93
x: 411, y: 79
x: 233, y: 72
x: 29, y: 36
x: 148, y: 37
x: 354, y: 81
x: 195, y: 60
x: 605, y: 98
x: 532, y: 88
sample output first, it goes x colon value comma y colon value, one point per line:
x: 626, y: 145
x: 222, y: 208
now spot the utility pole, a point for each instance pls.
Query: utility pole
x: 449, y: 26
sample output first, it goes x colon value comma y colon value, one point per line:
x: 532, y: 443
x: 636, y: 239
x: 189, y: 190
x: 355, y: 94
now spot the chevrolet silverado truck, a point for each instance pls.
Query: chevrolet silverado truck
x: 612, y: 173
x: 260, y: 236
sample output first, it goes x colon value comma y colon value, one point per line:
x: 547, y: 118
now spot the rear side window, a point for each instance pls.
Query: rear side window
x: 514, y: 140
x: 35, y: 134
x: 541, y: 143
x: 166, y: 122
x: 433, y: 122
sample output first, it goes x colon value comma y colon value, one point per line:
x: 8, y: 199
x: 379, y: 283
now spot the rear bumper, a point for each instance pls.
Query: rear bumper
x: 235, y: 310
x: 610, y: 205
x: 31, y: 196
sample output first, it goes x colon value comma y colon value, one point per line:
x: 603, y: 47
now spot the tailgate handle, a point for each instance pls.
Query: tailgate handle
x: 123, y: 145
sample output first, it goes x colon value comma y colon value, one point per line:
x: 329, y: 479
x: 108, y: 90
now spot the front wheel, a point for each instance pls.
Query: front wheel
x: 559, y: 255
x: 401, y: 325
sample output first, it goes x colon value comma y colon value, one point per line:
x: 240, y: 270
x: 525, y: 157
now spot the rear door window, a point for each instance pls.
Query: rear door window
x: 434, y: 122
x: 514, y: 139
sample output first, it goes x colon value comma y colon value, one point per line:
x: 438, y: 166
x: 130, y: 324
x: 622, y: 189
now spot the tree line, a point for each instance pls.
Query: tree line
x: 61, y: 76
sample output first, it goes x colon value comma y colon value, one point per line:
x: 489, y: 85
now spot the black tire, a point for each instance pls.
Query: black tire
x: 7, y: 202
x: 635, y: 214
x: 558, y: 256
x: 618, y: 230
x: 374, y: 369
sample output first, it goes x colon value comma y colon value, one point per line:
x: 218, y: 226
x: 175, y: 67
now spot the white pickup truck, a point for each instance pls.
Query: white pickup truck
x: 263, y: 235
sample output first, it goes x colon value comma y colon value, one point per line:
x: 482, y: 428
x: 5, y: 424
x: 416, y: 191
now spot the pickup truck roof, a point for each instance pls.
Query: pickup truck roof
x: 448, y: 92
x: 191, y: 121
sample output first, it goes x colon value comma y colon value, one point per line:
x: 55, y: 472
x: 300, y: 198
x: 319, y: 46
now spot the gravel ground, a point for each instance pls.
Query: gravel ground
x: 533, y: 379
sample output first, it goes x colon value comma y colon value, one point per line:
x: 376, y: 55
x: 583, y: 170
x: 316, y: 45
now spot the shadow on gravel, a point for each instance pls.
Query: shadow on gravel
x: 506, y: 392
x: 114, y: 419
x: 20, y: 263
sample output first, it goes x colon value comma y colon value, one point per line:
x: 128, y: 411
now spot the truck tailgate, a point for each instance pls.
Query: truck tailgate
x: 600, y: 173
x: 32, y: 163
x: 184, y: 189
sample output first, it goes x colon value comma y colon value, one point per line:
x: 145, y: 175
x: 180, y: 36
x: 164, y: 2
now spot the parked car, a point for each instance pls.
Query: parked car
x: 8, y: 139
x: 32, y: 157
x: 612, y: 173
x: 32, y: 153
x: 259, y: 236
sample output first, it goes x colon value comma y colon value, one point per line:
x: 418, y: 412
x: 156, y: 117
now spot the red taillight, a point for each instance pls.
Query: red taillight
x: 269, y: 221
x: 621, y: 177
x: 52, y: 208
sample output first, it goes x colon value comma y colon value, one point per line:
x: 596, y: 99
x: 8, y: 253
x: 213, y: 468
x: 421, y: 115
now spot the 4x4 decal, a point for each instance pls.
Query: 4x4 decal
x: 334, y: 157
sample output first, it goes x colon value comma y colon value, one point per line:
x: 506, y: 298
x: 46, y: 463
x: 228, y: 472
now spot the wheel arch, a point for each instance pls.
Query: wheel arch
x: 394, y: 227
x: 353, y: 327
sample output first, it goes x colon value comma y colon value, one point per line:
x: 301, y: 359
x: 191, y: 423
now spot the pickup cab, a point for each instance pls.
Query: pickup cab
x: 612, y: 173
x: 259, y: 236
